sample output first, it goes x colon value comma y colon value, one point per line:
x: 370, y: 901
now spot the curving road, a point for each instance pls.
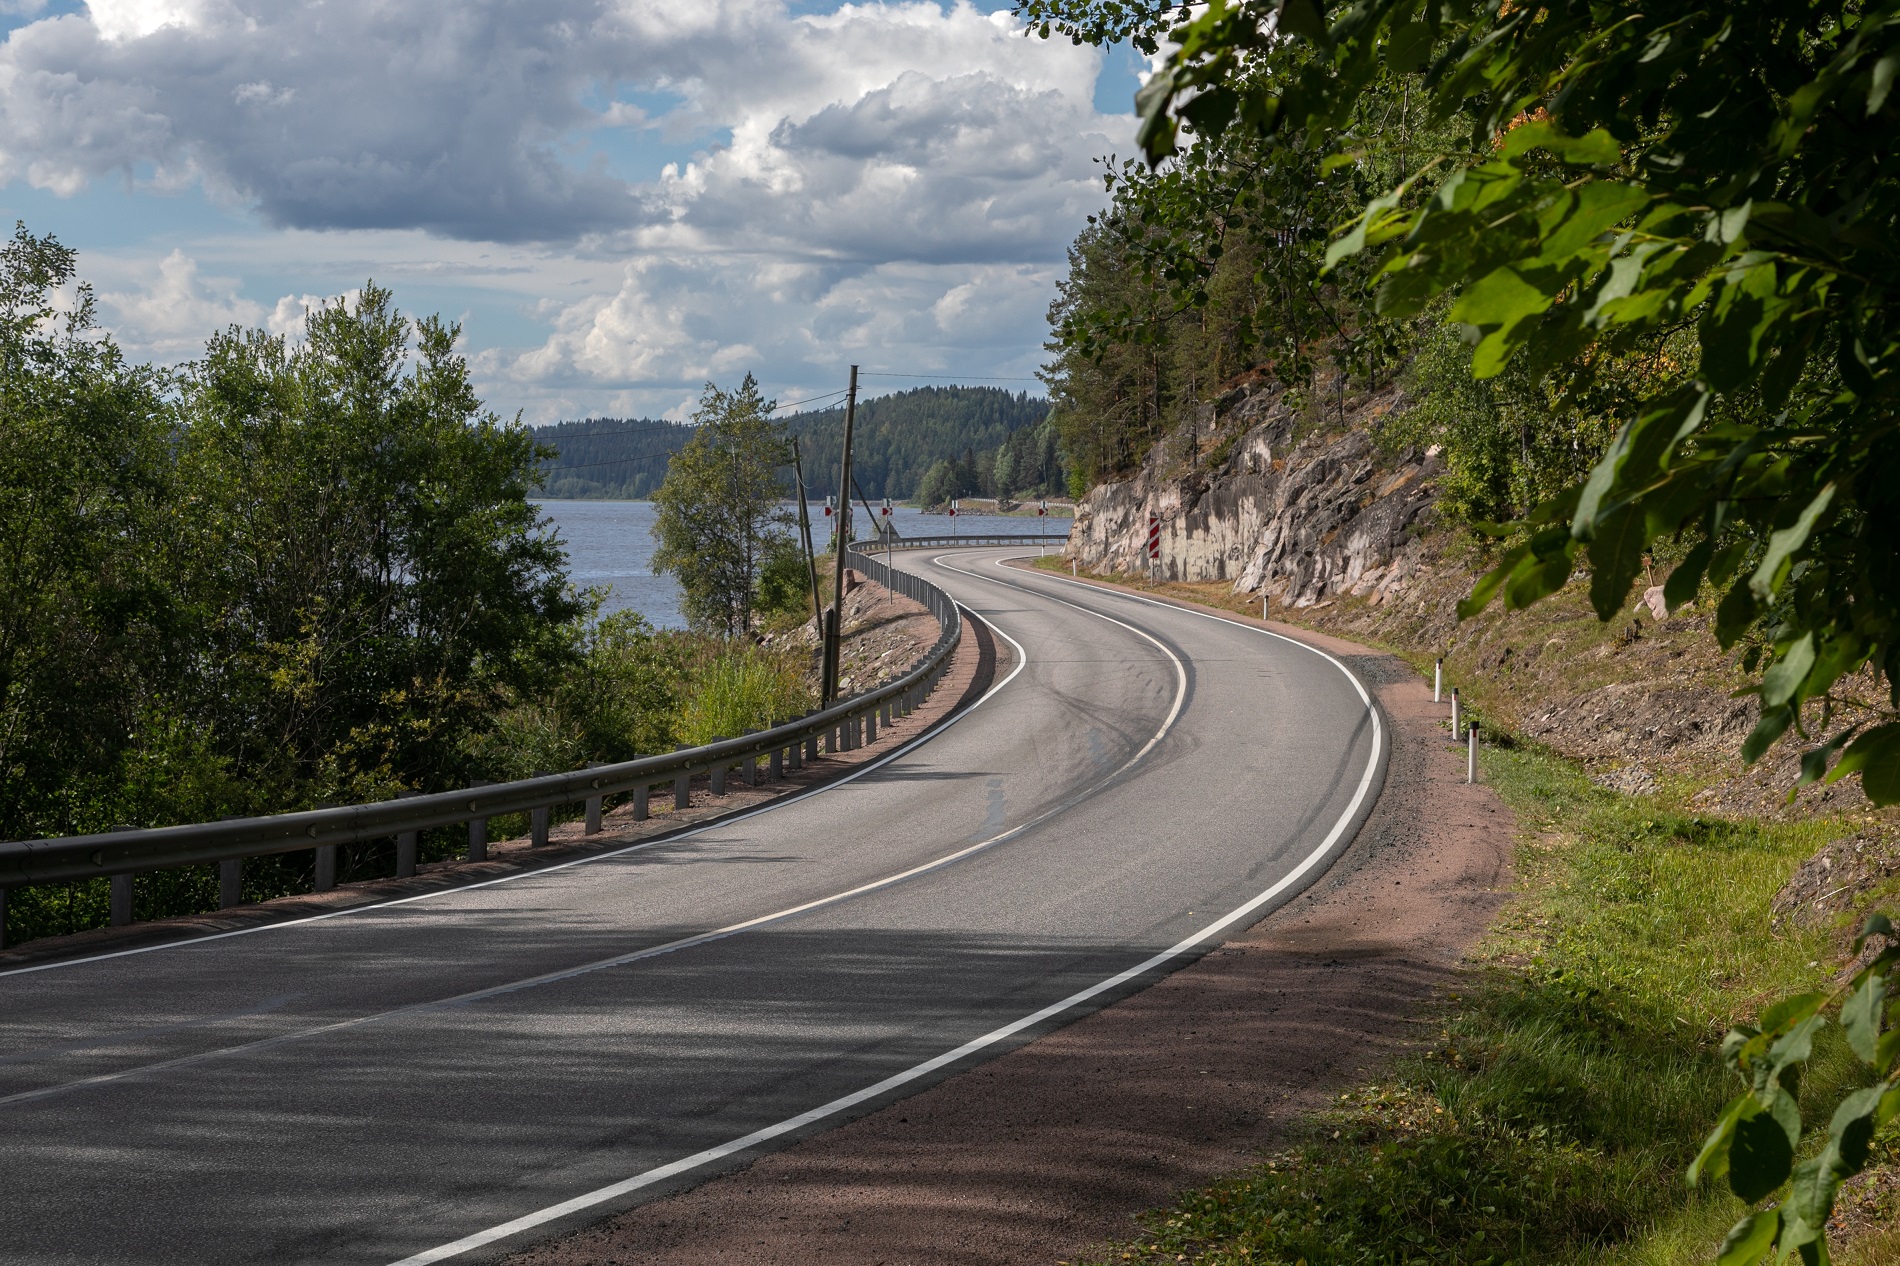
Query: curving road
x: 445, y: 1078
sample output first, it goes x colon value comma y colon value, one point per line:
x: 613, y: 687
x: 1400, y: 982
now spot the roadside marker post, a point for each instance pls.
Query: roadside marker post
x: 1042, y: 527
x: 889, y: 528
x: 1471, y: 753
x: 1154, y: 545
x: 953, y: 518
x: 1454, y: 715
x: 1438, y: 679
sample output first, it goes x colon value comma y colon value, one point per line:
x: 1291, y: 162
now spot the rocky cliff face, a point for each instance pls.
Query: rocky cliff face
x: 1269, y: 502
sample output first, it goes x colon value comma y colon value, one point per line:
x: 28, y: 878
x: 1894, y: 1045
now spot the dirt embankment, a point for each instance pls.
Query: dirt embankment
x: 884, y: 634
x: 1045, y: 1151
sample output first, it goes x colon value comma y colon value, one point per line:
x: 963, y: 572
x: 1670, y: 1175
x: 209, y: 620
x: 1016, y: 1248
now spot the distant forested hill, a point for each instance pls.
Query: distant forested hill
x: 897, y: 440
x: 609, y: 459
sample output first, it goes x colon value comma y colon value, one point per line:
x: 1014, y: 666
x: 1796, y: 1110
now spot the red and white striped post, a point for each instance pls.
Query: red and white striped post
x: 1154, y: 545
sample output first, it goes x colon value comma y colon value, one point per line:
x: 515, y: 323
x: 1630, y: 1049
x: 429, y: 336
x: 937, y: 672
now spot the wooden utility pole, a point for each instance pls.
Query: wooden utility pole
x: 804, y: 530
x: 834, y: 625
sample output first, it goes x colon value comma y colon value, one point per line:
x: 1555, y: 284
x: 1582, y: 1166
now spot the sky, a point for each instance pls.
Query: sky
x: 619, y: 200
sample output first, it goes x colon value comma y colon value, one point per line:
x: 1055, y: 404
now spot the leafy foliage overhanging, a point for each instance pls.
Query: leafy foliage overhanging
x: 1630, y: 174
x: 1719, y: 178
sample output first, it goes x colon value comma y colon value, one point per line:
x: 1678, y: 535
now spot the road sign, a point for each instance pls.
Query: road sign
x: 953, y: 508
x: 1042, y: 508
x: 1154, y: 537
x: 828, y: 506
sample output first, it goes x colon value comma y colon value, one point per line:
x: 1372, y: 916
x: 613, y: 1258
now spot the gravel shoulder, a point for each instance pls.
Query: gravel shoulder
x: 1049, y: 1149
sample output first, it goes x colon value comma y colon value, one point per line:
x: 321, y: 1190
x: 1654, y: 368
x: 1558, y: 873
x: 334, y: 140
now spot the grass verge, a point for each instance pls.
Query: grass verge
x: 1574, y: 1077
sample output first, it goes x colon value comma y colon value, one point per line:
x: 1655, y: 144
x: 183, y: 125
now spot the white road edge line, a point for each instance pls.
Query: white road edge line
x: 538, y: 872
x: 647, y: 1178
x: 688, y: 942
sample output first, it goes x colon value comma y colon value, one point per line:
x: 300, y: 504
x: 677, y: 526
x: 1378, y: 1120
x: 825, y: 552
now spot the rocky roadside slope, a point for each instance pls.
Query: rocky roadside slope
x: 1313, y: 517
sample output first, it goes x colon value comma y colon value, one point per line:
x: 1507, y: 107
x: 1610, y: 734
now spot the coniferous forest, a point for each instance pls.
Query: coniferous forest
x: 926, y: 444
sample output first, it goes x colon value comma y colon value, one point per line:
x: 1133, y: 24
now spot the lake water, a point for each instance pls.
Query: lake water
x: 610, y: 545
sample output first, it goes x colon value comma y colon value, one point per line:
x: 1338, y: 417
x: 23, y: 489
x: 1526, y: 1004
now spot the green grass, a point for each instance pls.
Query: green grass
x: 1571, y: 1080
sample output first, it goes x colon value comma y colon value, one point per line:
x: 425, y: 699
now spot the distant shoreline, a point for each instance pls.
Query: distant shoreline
x: 1023, y: 510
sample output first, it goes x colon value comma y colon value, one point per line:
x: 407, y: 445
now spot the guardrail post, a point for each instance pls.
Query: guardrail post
x: 538, y: 825
x: 593, y: 807
x: 870, y: 727
x: 640, y: 795
x: 775, y: 769
x: 811, y: 749
x: 717, y: 777
x: 478, y: 827
x: 749, y: 768
x: 406, y: 844
x: 122, y: 892
x: 230, y: 874
x: 682, y: 786
x: 3, y: 918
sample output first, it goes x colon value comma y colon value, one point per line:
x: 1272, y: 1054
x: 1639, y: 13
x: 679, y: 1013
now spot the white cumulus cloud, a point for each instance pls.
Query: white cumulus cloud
x: 889, y: 182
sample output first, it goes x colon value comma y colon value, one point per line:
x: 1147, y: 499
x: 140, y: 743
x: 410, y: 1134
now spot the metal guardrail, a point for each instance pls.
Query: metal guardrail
x: 972, y: 538
x: 846, y: 725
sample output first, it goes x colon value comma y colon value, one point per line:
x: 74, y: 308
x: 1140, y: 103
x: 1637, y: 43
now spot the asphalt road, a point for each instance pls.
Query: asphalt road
x: 449, y: 1077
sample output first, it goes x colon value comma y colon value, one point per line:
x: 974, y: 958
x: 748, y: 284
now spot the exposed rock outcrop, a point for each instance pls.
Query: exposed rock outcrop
x: 1269, y: 502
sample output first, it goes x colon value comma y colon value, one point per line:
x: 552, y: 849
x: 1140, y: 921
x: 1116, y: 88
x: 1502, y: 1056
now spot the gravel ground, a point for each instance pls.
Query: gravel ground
x: 1045, y: 1151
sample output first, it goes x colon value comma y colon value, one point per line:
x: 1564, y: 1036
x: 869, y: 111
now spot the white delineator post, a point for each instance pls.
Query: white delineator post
x: 1471, y: 752
x: 1454, y: 714
x: 1438, y: 679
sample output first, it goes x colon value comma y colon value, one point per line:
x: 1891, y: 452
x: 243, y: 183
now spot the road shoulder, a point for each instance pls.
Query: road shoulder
x: 1050, y: 1148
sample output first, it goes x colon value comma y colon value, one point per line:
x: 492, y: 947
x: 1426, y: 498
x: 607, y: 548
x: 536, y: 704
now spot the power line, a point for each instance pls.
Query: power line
x: 948, y: 377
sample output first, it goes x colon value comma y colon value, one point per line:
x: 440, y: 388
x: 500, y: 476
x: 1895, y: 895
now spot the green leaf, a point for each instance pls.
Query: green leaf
x: 1488, y: 584
x: 1749, y: 1239
x: 1599, y: 205
x: 1497, y: 302
x: 1680, y: 589
x: 1851, y: 1131
x: 1594, y: 148
x: 1157, y: 131
x: 1597, y: 486
x: 1781, y: 545
x: 1407, y: 47
x: 1713, y: 1158
x: 1303, y: 18
x: 1783, y: 679
x: 1810, y: 1199
x: 1875, y: 756
x: 1860, y: 1017
x: 1735, y: 613
x: 1735, y: 329
x: 1882, y: 82
x: 1814, y: 761
x: 1355, y: 239
x: 1760, y: 1157
x: 1877, y: 924
x: 1792, y: 1011
x: 1616, y: 557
